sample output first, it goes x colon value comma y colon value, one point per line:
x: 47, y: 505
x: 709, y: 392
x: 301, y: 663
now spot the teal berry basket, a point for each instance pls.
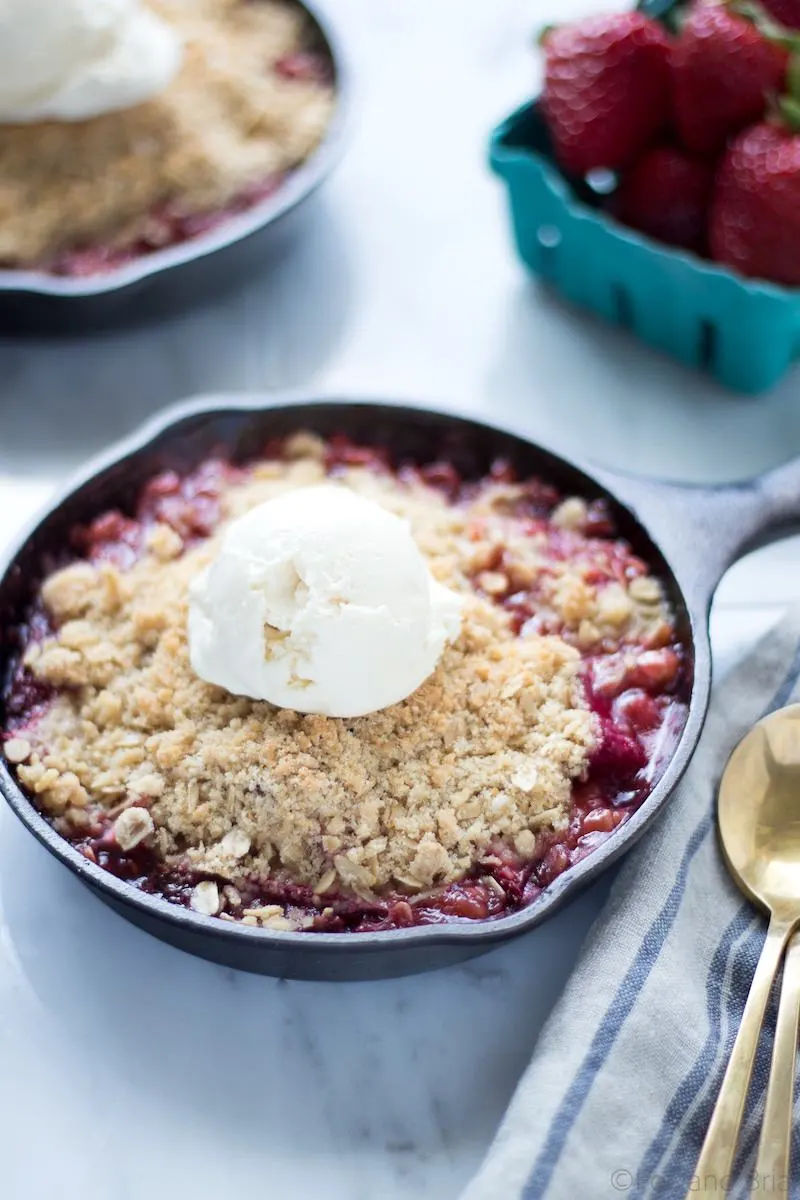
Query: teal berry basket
x: 745, y: 333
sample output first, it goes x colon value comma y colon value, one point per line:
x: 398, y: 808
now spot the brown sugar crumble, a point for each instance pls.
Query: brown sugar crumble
x: 249, y: 104
x: 290, y: 821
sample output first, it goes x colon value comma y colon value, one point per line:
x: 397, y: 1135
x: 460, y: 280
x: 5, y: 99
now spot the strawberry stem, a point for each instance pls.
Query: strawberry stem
x: 670, y: 13
x: 789, y: 111
x: 766, y: 25
x: 785, y: 110
x: 656, y: 8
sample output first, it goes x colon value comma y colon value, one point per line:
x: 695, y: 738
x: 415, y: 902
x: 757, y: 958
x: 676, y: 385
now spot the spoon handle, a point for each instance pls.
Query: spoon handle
x: 776, y: 1132
x: 719, y: 1148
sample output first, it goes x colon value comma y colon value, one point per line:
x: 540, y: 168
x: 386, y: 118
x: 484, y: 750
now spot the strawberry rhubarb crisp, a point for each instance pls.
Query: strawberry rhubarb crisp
x: 251, y: 101
x: 540, y: 730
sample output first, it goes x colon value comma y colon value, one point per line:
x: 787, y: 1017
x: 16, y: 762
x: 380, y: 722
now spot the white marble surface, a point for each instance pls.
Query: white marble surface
x: 130, y: 1071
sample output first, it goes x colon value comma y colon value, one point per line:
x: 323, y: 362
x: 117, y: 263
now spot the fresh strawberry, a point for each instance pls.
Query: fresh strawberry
x: 667, y: 195
x: 724, y: 71
x: 755, y: 218
x: 606, y: 90
x: 785, y: 11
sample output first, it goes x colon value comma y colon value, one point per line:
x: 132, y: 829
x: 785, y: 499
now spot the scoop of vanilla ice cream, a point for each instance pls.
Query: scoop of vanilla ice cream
x: 320, y: 601
x: 68, y: 60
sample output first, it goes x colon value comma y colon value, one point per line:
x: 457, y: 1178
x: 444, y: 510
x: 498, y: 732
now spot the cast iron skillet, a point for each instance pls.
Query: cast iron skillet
x: 688, y: 535
x: 35, y: 302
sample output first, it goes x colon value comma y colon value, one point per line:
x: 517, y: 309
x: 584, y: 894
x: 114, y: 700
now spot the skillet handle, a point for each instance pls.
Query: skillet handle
x: 703, y: 530
x: 781, y: 490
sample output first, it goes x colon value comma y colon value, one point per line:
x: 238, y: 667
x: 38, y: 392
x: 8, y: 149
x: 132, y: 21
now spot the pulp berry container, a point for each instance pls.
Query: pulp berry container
x: 745, y: 333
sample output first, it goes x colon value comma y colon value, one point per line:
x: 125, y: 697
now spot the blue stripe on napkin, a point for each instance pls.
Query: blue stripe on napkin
x: 612, y: 1023
x: 701, y: 1088
x: 719, y: 994
x: 682, y: 1161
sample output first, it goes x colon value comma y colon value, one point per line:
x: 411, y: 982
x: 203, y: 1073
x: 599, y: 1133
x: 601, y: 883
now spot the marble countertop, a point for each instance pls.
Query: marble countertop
x: 151, y: 1075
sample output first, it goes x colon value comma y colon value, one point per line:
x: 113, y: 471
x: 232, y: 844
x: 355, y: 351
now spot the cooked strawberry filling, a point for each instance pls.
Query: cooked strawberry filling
x: 588, y: 591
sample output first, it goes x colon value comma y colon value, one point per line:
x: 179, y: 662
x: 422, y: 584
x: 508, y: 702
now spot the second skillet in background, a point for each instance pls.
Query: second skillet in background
x: 129, y: 263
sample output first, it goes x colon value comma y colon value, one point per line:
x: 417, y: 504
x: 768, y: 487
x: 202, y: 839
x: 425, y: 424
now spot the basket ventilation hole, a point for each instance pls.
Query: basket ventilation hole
x: 602, y: 181
x: 549, y: 236
x: 622, y: 306
x: 707, y: 347
x: 549, y: 239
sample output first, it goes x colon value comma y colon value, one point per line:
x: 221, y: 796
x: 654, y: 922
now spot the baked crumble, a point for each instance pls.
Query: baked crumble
x: 248, y: 804
x: 249, y: 104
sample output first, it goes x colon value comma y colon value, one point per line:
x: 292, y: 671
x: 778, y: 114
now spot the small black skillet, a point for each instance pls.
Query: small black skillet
x: 689, y: 535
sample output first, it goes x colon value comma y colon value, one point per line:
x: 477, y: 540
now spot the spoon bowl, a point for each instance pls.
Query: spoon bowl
x: 759, y: 813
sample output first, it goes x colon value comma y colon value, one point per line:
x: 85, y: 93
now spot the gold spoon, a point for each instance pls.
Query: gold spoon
x: 759, y: 824
x: 774, y: 1148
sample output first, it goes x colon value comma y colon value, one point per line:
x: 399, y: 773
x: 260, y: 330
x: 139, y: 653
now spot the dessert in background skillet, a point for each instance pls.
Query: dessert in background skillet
x: 126, y: 128
x: 326, y: 691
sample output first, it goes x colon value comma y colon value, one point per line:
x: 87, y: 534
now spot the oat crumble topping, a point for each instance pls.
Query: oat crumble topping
x: 486, y: 751
x: 228, y: 122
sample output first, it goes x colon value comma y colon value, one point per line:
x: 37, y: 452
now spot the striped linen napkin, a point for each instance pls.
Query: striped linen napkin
x: 617, y: 1099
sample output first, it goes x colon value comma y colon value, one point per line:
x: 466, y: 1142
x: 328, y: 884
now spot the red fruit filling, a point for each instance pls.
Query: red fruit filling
x: 638, y: 691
